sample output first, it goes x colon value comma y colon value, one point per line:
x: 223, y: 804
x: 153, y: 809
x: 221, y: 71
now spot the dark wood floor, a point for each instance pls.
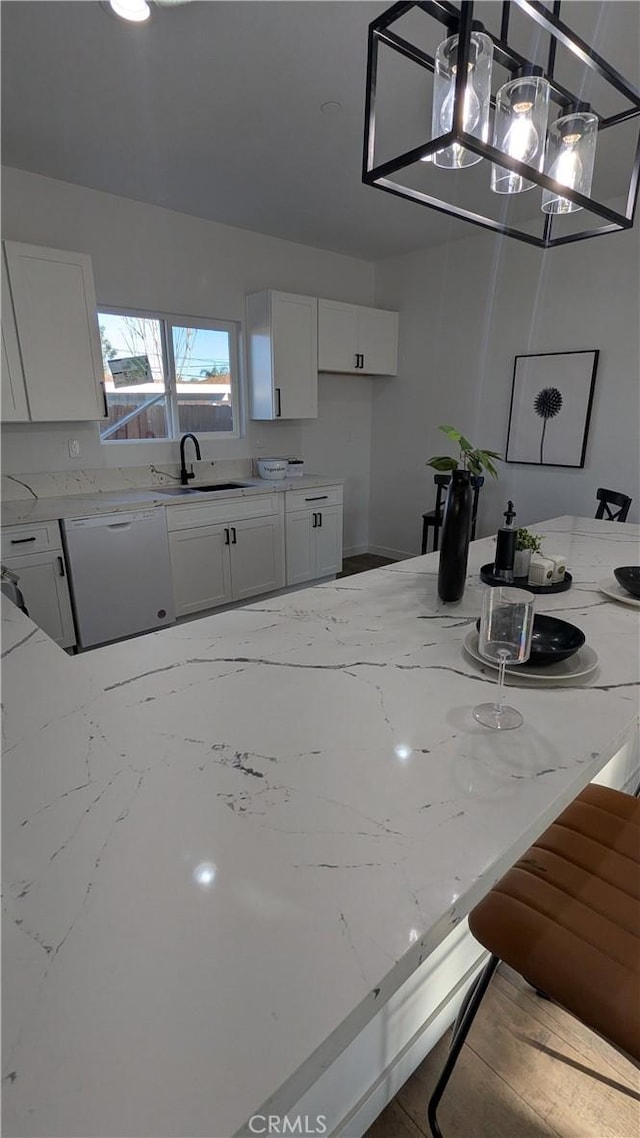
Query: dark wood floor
x: 362, y: 562
x: 528, y: 1070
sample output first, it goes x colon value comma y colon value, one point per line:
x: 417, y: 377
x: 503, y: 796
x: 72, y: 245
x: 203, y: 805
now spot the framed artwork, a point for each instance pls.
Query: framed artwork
x: 551, y: 399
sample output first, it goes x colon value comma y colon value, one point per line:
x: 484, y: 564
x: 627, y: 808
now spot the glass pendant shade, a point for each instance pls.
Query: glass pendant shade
x: 570, y: 156
x: 520, y: 128
x: 476, y: 98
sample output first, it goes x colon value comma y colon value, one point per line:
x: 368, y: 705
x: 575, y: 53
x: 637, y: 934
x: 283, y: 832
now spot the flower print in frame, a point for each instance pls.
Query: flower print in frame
x: 551, y: 400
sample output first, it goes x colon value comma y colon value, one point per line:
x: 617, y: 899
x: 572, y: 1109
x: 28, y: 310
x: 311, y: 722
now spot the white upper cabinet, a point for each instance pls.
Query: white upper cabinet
x: 353, y: 339
x: 54, y: 305
x: 15, y: 408
x: 282, y: 332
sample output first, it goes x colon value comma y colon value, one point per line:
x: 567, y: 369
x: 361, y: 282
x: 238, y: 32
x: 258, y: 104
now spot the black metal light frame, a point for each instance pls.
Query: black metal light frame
x: 458, y: 20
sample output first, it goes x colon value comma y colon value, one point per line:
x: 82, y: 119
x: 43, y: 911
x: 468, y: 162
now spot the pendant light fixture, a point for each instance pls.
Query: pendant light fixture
x: 571, y: 152
x: 543, y: 137
x: 477, y: 92
x: 520, y: 127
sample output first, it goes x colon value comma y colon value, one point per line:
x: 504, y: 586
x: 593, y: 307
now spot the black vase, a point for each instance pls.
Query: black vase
x: 456, y: 532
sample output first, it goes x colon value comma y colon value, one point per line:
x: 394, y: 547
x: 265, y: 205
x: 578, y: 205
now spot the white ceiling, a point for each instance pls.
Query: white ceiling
x: 214, y: 109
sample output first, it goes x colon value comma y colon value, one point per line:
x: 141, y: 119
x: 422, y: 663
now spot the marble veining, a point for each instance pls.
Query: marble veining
x: 229, y: 842
x: 76, y: 500
x: 61, y: 483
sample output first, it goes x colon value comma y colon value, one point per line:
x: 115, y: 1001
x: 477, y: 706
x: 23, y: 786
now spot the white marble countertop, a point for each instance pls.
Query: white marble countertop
x: 29, y: 510
x: 226, y: 844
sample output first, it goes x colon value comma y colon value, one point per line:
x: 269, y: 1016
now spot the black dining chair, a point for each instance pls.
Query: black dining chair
x: 433, y: 518
x: 612, y: 506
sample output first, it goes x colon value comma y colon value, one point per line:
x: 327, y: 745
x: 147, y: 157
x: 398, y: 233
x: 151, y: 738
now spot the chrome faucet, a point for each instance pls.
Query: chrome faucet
x: 184, y: 477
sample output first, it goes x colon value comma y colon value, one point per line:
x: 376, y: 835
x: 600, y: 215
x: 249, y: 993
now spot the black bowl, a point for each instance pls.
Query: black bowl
x: 552, y: 640
x: 629, y: 577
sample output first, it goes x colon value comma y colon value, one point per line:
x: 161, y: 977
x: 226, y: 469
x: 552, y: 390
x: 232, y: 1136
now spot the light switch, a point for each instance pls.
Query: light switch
x: 74, y: 448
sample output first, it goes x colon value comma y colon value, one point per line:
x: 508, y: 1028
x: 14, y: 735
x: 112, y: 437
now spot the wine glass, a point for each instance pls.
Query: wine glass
x: 506, y: 625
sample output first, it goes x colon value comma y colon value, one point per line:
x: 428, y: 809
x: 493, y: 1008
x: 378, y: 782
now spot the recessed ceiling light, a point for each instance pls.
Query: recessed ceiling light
x: 135, y: 10
x: 331, y: 108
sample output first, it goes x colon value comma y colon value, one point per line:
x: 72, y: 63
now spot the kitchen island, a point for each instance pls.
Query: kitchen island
x: 228, y: 845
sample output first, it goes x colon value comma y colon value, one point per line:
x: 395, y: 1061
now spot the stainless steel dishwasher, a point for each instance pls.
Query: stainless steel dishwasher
x: 120, y: 574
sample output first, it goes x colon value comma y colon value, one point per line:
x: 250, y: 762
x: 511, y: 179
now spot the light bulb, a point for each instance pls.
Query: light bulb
x: 567, y: 169
x: 205, y: 874
x: 522, y: 107
x: 520, y: 142
x: 135, y: 10
x: 571, y: 149
x: 470, y: 111
x: 522, y: 139
x: 475, y: 98
x: 470, y: 114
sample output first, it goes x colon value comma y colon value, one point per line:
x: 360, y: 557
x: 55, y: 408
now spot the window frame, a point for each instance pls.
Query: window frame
x: 169, y: 321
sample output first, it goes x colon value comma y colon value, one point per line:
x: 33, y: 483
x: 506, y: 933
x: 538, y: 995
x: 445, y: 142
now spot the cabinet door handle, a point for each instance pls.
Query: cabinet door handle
x: 226, y: 536
x: 315, y: 520
x: 362, y: 363
x: 60, y: 567
x: 320, y: 520
x: 21, y: 540
x: 357, y: 361
x: 318, y: 498
x: 234, y: 539
x: 278, y: 404
x: 104, y: 400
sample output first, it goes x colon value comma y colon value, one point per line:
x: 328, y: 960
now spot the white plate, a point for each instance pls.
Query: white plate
x: 611, y: 588
x: 582, y: 663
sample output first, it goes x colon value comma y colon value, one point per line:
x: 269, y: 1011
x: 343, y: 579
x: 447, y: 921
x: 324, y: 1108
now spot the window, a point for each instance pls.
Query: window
x: 164, y: 376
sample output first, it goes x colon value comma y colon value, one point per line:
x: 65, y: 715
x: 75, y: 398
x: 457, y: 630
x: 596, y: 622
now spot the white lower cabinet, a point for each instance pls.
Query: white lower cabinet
x: 221, y: 553
x: 257, y: 562
x: 314, y: 534
x: 200, y: 568
x: 42, y: 577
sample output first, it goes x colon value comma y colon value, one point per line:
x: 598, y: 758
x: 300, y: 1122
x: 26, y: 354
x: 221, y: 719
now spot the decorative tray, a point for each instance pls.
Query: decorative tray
x: 488, y: 576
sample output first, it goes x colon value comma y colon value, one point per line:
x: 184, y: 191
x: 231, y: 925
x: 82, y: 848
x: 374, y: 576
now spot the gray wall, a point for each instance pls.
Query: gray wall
x: 151, y: 258
x: 467, y: 308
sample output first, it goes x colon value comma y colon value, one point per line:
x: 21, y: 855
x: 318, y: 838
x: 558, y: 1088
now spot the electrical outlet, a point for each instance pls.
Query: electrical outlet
x: 74, y: 448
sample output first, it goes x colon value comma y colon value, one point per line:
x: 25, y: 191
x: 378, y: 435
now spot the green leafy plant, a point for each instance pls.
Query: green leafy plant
x: 528, y: 540
x: 469, y: 458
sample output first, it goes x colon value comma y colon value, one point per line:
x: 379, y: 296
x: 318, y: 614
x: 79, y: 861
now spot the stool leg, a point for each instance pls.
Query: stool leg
x: 463, y: 1023
x: 541, y: 994
x: 425, y: 533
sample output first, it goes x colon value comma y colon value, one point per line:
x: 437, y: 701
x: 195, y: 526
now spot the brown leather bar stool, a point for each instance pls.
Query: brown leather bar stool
x: 567, y: 918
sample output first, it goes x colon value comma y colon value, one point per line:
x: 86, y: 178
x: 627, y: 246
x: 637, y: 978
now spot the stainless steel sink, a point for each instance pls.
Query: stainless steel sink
x: 215, y: 488
x: 219, y: 486
x: 175, y: 490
